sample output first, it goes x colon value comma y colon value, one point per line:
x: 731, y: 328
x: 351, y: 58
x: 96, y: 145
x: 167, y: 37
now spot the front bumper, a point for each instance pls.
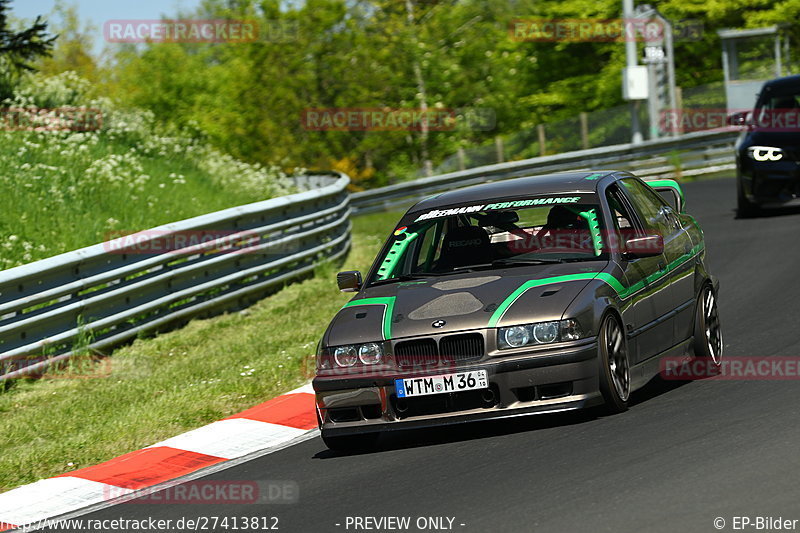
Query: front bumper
x: 770, y: 184
x: 519, y: 384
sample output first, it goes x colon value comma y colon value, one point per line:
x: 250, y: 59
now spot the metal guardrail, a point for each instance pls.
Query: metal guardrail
x: 691, y: 154
x: 109, y: 293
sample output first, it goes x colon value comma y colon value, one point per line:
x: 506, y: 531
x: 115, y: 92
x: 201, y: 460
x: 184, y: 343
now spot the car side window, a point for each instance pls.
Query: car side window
x: 649, y: 205
x: 622, y: 218
x: 428, y: 247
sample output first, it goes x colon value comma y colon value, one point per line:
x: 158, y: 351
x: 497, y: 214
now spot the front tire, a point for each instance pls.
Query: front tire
x: 615, y: 378
x: 708, y: 344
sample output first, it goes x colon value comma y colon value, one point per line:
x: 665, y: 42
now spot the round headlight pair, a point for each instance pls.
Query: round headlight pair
x: 540, y: 333
x: 369, y: 354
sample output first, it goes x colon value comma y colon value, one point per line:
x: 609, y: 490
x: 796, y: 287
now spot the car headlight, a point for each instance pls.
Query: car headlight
x: 370, y: 353
x: 538, y: 333
x: 765, y: 153
x: 545, y: 332
x: 515, y: 337
x: 323, y: 361
x: 345, y: 356
x: 571, y: 330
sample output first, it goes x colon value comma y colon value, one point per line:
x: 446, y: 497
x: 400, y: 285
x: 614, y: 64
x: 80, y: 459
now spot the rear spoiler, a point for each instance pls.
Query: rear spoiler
x: 670, y: 190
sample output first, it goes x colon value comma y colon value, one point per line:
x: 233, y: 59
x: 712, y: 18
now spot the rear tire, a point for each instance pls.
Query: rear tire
x: 349, y: 443
x: 708, y: 344
x: 615, y: 379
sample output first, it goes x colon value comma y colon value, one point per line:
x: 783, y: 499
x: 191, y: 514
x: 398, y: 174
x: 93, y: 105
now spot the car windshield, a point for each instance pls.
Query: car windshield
x: 778, y: 109
x: 491, y: 239
x: 788, y: 98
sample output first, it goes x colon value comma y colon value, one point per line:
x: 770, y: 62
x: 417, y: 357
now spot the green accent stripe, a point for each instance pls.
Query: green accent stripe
x: 614, y: 283
x: 501, y: 309
x: 655, y: 276
x: 668, y: 183
x: 387, y: 302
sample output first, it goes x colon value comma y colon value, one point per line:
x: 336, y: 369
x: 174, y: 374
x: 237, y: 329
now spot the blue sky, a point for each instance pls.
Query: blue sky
x: 98, y: 11
x: 102, y: 10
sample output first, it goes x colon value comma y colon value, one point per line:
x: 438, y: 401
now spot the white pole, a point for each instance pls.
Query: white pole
x: 631, y: 61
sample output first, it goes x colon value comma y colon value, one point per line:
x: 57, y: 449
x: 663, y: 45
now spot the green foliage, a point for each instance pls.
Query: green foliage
x: 61, y: 190
x: 249, y: 97
x: 19, y: 48
x: 72, y: 49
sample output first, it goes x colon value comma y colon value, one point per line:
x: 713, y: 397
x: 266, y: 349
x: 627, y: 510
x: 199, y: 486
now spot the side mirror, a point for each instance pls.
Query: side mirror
x: 349, y: 281
x: 647, y: 246
x: 738, y: 119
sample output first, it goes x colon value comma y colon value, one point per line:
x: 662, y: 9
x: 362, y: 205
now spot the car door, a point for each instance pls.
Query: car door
x: 680, y: 269
x: 648, y: 289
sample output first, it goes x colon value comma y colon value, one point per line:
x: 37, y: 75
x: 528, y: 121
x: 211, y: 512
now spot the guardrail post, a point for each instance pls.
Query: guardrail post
x: 540, y: 131
x: 462, y: 158
x: 498, y: 145
x: 584, y: 130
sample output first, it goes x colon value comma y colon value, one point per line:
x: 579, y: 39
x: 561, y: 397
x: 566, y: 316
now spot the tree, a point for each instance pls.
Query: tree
x: 248, y: 98
x: 73, y: 50
x: 18, y: 49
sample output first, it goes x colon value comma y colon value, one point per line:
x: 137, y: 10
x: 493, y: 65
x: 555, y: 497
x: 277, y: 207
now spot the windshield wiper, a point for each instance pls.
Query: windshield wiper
x: 408, y: 277
x: 513, y: 262
x: 503, y: 262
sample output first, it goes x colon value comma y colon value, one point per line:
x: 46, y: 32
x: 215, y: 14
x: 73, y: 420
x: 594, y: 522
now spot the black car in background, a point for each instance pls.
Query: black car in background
x: 768, y: 150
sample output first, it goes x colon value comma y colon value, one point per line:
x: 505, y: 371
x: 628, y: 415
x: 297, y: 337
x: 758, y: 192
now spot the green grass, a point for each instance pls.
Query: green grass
x: 163, y: 386
x: 62, y: 190
x: 56, y: 198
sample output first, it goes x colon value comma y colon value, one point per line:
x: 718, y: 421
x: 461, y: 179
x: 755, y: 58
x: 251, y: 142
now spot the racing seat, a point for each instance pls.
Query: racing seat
x: 559, y: 218
x: 464, y: 246
x: 566, y: 231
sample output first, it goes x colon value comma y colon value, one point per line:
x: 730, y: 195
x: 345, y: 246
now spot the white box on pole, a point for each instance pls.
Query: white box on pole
x: 635, y: 83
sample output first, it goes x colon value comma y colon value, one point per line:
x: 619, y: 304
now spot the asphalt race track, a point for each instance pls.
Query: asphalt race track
x: 681, y: 457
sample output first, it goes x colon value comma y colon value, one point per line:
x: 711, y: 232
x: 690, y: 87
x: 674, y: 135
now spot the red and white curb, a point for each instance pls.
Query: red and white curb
x: 270, y: 425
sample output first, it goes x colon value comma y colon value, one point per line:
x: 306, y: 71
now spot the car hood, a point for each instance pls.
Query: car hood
x: 466, y: 301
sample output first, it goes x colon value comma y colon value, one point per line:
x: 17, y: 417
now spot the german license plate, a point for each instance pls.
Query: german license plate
x: 422, y: 386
